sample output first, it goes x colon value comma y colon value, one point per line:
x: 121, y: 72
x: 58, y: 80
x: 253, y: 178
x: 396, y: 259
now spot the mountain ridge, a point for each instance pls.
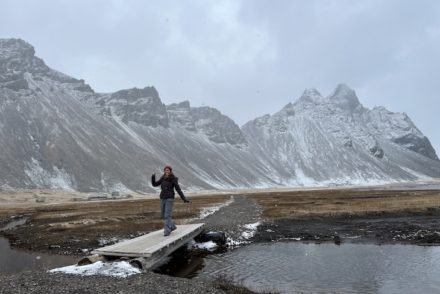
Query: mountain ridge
x: 57, y: 132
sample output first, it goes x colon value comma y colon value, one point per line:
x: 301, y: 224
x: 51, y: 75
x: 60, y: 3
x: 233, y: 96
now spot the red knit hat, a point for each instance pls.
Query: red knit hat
x: 169, y: 167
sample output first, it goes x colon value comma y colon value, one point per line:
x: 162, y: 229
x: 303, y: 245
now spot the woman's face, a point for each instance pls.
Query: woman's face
x: 167, y: 171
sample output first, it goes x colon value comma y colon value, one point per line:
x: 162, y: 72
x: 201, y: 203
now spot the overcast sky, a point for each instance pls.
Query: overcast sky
x: 246, y: 58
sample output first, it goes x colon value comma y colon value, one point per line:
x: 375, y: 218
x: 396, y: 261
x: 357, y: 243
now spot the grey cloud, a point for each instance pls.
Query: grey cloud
x: 246, y: 58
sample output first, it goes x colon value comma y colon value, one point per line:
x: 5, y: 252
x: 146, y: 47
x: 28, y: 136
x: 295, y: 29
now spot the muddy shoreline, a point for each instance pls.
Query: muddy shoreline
x: 406, y: 227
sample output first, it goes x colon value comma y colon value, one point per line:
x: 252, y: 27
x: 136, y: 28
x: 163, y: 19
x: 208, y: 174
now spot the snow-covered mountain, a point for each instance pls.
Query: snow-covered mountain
x: 335, y: 139
x: 56, y: 132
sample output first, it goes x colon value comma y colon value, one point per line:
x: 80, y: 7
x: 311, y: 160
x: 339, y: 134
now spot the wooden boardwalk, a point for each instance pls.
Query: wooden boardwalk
x: 154, y: 246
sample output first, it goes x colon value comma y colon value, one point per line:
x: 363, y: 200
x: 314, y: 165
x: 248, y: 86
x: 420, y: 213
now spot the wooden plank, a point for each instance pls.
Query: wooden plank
x: 153, y: 243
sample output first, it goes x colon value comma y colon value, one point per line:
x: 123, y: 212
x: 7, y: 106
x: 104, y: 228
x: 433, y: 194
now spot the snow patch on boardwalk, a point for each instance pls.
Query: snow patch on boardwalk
x: 121, y: 269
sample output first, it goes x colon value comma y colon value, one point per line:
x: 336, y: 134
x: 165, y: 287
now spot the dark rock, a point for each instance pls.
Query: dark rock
x: 16, y: 85
x: 417, y: 144
x: 218, y: 127
x: 218, y: 238
x: 142, y: 106
x: 377, y: 151
x: 345, y: 98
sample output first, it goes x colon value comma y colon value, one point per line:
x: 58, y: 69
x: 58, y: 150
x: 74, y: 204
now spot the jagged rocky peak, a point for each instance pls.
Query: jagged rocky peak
x: 147, y: 94
x: 288, y: 110
x: 180, y: 115
x: 17, y: 59
x: 206, y: 120
x: 258, y: 122
x: 142, y: 106
x: 279, y: 121
x: 400, y: 129
x: 310, y: 96
x: 345, y: 98
x: 184, y: 105
x: 218, y: 127
x: 13, y: 48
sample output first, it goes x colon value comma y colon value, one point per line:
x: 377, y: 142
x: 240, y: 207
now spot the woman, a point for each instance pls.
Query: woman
x: 168, y: 182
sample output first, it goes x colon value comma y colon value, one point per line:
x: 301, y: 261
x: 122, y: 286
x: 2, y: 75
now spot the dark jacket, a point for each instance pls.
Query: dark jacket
x: 167, y: 186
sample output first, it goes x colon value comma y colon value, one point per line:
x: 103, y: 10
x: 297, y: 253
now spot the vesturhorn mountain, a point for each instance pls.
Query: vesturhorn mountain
x: 56, y: 132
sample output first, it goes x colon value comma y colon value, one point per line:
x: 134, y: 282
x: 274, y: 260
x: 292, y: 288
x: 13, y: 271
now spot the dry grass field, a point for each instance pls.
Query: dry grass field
x: 351, y: 215
x: 335, y: 202
x: 82, y: 225
x: 76, y: 225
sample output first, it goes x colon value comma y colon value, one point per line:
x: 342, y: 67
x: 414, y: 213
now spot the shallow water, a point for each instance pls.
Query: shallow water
x: 13, y: 260
x: 350, y: 268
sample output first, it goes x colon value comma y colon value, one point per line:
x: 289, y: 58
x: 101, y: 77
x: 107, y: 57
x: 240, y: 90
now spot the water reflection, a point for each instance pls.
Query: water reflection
x: 17, y: 260
x: 349, y: 268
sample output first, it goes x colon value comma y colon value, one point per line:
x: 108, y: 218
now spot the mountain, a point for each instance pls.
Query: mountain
x: 335, y: 139
x: 56, y: 132
x: 49, y: 138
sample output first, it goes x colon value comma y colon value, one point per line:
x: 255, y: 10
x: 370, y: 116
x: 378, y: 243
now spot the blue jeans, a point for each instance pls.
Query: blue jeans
x: 166, y: 210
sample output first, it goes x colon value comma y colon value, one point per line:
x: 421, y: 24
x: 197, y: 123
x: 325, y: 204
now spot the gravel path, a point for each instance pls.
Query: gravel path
x: 42, y: 282
x: 232, y: 219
